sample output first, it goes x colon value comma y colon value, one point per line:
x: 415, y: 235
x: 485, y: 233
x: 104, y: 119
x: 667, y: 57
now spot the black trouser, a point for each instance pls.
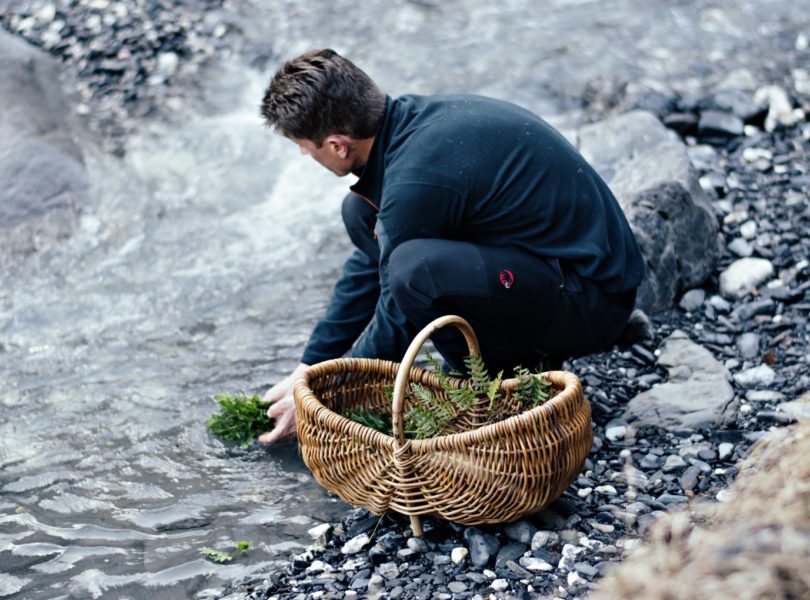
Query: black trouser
x: 525, y: 310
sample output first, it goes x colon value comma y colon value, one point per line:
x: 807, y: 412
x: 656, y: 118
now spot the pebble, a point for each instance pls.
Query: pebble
x: 500, y: 585
x: 543, y: 538
x: 457, y: 587
x: 535, y: 564
x: 759, y: 375
x: 692, y: 300
x: 356, y: 544
x: 520, y: 531
x: 741, y: 247
x: 417, y: 544
x: 483, y: 546
x: 748, y: 345
x: 743, y: 275
x: 388, y: 570
x: 458, y: 555
x: 673, y: 462
x: 615, y: 432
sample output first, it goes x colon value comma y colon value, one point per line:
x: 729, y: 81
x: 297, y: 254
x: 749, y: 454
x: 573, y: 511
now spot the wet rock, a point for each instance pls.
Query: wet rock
x: 37, y: 136
x: 673, y: 222
x: 697, y: 393
x: 744, y: 275
x: 716, y: 123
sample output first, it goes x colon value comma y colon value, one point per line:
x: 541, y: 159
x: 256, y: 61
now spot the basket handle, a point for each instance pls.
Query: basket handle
x: 401, y: 382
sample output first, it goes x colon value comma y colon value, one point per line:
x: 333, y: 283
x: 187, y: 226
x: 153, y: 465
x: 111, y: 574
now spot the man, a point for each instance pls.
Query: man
x: 463, y: 205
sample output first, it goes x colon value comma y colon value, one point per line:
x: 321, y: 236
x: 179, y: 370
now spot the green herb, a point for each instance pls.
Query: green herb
x: 532, y: 389
x: 224, y: 557
x: 381, y: 422
x: 216, y: 555
x: 431, y: 413
x: 241, y: 418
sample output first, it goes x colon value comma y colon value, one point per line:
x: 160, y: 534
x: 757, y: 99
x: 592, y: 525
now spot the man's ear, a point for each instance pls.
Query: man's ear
x: 339, y: 145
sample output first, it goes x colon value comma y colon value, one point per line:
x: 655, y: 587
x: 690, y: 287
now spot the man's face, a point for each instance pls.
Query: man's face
x: 331, y: 154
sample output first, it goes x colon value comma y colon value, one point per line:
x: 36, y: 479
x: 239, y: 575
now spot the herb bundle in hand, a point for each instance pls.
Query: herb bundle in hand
x: 241, y: 418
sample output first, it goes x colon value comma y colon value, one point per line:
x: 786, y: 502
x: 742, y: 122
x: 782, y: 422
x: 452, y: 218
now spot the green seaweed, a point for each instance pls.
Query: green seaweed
x: 220, y: 556
x: 241, y: 418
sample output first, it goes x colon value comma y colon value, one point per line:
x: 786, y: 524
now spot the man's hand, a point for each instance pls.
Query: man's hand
x: 282, y: 408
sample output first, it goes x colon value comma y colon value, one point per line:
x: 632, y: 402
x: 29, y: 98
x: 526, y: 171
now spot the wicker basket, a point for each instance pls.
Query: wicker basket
x: 487, y: 474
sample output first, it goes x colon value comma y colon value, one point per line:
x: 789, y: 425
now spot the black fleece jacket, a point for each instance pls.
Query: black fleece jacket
x: 475, y: 169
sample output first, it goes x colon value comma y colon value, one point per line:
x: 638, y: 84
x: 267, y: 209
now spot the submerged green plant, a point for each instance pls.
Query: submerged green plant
x: 241, y: 418
x: 220, y: 556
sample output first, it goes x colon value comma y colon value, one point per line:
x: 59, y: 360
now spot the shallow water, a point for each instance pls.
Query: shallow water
x: 208, y: 254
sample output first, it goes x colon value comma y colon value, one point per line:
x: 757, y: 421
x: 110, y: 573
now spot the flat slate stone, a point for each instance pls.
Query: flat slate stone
x: 698, y: 391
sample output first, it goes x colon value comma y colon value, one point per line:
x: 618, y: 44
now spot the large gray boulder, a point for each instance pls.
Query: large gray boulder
x: 652, y: 176
x: 43, y: 182
x: 698, y: 391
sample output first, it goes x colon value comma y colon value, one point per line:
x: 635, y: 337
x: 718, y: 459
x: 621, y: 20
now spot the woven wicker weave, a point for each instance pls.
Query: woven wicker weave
x: 489, y: 474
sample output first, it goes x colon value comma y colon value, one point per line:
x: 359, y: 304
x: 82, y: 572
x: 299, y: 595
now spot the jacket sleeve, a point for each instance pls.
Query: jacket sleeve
x: 349, y: 311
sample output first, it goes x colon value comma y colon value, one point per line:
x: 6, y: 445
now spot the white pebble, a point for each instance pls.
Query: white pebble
x: 584, y: 492
x: 724, y: 450
x: 458, y: 555
x: 355, y: 545
x: 318, y: 530
x: 606, y: 489
x: 534, y: 564
x: 500, y: 585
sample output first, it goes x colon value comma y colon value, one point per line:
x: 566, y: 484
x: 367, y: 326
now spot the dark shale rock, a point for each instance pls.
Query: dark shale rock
x: 673, y: 222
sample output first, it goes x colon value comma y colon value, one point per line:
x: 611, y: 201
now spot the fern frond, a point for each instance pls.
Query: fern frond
x: 479, y: 376
x: 493, y: 392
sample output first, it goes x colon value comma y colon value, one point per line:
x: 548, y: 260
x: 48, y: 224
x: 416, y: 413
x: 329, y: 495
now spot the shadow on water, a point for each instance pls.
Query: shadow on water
x: 210, y: 253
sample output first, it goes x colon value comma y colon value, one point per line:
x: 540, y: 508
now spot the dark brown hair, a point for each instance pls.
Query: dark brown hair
x: 320, y: 93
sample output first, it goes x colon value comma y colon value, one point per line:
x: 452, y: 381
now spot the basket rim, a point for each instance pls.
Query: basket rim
x: 305, y: 397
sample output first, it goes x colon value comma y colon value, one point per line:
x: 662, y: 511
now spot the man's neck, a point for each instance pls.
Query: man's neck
x: 362, y: 150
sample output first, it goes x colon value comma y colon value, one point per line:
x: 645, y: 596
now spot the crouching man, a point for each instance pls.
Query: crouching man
x: 463, y: 205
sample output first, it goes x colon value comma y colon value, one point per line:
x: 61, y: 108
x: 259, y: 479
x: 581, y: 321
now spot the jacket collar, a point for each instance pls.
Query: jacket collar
x: 370, y: 182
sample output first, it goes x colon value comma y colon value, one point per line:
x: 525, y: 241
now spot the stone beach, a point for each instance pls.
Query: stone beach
x: 716, y: 185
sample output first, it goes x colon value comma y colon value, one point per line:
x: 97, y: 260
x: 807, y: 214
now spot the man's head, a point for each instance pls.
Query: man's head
x: 328, y: 106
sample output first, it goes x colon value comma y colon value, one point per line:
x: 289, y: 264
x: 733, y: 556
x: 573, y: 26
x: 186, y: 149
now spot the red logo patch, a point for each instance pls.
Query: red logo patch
x: 507, y: 278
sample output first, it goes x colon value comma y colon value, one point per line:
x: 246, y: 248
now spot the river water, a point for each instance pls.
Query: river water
x: 211, y: 249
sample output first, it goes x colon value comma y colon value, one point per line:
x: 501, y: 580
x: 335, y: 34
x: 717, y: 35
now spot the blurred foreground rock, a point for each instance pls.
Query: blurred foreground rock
x: 755, y: 544
x: 43, y: 183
